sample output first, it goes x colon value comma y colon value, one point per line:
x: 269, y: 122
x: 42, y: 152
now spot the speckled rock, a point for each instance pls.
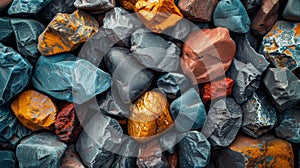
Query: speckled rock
x: 8, y: 159
x: 4, y: 4
x: 96, y: 7
x: 27, y: 7
x: 71, y: 159
x: 292, y: 10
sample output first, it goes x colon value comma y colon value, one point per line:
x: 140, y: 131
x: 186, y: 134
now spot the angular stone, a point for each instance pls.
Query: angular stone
x: 188, y: 111
x: 15, y: 73
x: 207, y: 54
x: 259, y: 115
x: 35, y: 110
x: 154, y: 52
x: 65, y: 78
x: 292, y: 10
x: 67, y: 125
x: 4, y: 4
x: 251, y: 6
x: 8, y: 159
x: 71, y: 159
x: 26, y: 33
x: 40, y: 150
x: 223, y: 122
x: 283, y: 87
x: 158, y: 15
x: 197, y: 11
x: 281, y: 45
x: 66, y: 32
x: 194, y: 150
x: 217, y: 89
x: 27, y: 7
x: 6, y: 31
x: 128, y: 4
x: 265, y: 17
x: 149, y: 116
x: 95, y: 7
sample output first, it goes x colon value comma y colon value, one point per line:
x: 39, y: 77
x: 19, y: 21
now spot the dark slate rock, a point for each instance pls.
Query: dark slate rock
x: 223, y: 122
x: 43, y: 150
x: 8, y: 159
x: 6, y: 31
x: 292, y: 10
x: 188, y: 111
x: 283, y: 87
x: 15, y: 73
x: 251, y: 5
x: 194, y: 150
x: 96, y: 7
x: 27, y: 32
x: 154, y: 52
x: 65, y: 78
x: 232, y: 15
x: 259, y: 115
x: 27, y: 7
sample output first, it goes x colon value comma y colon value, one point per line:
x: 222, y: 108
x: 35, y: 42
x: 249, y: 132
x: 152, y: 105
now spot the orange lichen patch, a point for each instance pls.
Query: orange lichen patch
x: 35, y: 110
x: 158, y: 15
x: 66, y: 32
x: 128, y: 4
x: 297, y: 30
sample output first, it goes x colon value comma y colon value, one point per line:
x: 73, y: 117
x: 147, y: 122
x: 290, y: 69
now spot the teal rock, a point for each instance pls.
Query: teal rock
x: 8, y: 159
x: 27, y: 7
x: 232, y: 15
x: 6, y: 31
x: 15, y: 73
x: 43, y: 150
x: 292, y: 10
x: 188, y: 111
x: 65, y: 78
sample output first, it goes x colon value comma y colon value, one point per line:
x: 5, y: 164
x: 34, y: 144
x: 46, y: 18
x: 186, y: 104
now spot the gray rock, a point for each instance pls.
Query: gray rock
x: 96, y: 7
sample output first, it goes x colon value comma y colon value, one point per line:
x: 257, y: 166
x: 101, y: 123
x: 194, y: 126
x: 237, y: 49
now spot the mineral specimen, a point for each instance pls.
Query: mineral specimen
x: 96, y: 7
x: 4, y: 4
x: 292, y: 10
x: 8, y: 159
x: 71, y: 159
x: 27, y: 7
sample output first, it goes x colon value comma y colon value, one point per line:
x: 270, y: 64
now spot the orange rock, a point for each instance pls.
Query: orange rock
x: 35, y: 110
x: 66, y: 32
x: 158, y: 15
x: 128, y: 4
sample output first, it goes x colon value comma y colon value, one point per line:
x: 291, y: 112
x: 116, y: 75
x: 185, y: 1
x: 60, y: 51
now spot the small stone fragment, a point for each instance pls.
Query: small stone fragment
x: 4, y: 4
x: 8, y: 159
x: 292, y: 10
x: 251, y: 5
x: 15, y: 73
x: 71, y: 159
x: 27, y: 7
x: 40, y: 150
x: 95, y: 7
x: 6, y: 31
x: 128, y: 4
x: 207, y: 54
x: 66, y: 32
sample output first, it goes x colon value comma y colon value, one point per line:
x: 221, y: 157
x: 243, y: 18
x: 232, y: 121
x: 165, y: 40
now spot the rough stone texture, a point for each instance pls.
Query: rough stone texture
x: 292, y: 10
x: 194, y: 150
x: 8, y: 159
x: 259, y: 115
x: 283, y: 87
x: 6, y: 31
x: 71, y: 159
x: 96, y: 7
x: 15, y: 73
x: 42, y: 150
x: 188, y: 111
x: 196, y: 10
x: 223, y: 122
x: 158, y: 15
x: 4, y: 4
x: 67, y: 125
x: 65, y: 78
x: 128, y: 4
x: 265, y: 17
x: 149, y: 116
x: 281, y: 45
x: 251, y: 6
x: 266, y: 151
x: 232, y: 15
x: 66, y: 32
x: 207, y: 54
x: 27, y: 7
x: 35, y: 110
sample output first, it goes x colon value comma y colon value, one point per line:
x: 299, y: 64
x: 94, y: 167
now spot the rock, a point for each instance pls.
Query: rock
x: 6, y: 31
x: 251, y: 6
x: 289, y: 125
x: 265, y: 17
x: 149, y: 116
x: 217, y: 89
x: 259, y: 115
x: 124, y: 162
x: 291, y: 10
x: 195, y: 11
x: 67, y: 125
x: 128, y: 4
x: 223, y: 122
x: 66, y: 32
x: 207, y: 54
x: 8, y: 159
x: 158, y: 15
x: 188, y: 111
x: 71, y: 159
x: 40, y: 150
x: 26, y: 7
x: 283, y: 87
x: 94, y: 7
x: 35, y: 110
x: 65, y: 78
x: 15, y: 73
x: 232, y: 15
x: 26, y: 33
x: 280, y: 45
x: 4, y: 4
x: 194, y: 150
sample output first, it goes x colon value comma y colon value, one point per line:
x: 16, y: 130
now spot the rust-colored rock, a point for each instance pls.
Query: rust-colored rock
x: 128, y: 4
x: 149, y: 116
x: 4, y: 4
x: 207, y: 54
x: 158, y: 15
x: 35, y: 110
x: 71, y: 159
x: 66, y: 32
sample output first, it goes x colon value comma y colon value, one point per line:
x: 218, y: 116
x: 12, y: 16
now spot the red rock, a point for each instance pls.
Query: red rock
x: 217, y: 89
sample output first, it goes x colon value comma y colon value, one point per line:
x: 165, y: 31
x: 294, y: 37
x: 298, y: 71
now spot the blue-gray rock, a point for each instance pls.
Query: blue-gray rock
x: 96, y: 7
x: 232, y: 15
x: 188, y: 111
x: 6, y: 31
x: 65, y: 78
x: 43, y: 150
x: 292, y: 10
x: 15, y: 73
x: 8, y: 159
x: 27, y: 7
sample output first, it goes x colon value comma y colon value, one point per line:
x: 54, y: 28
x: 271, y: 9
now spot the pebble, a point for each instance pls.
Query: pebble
x: 22, y: 7
x: 95, y: 7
